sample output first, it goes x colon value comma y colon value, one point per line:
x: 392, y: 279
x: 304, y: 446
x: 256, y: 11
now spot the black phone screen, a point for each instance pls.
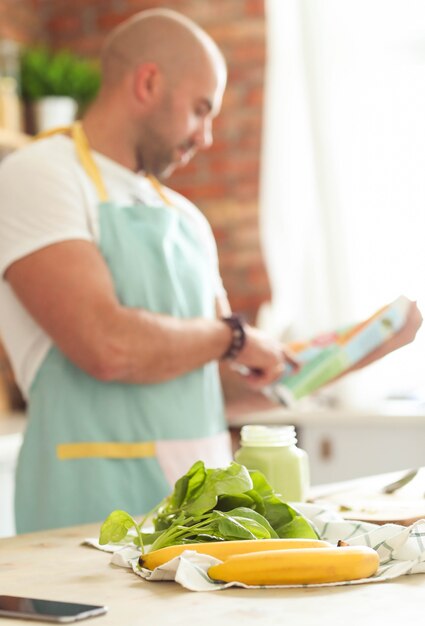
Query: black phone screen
x: 47, y: 610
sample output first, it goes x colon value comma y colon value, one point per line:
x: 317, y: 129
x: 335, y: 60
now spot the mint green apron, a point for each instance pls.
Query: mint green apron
x: 91, y: 446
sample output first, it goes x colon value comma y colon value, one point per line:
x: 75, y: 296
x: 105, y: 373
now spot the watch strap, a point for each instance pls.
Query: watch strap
x: 236, y: 324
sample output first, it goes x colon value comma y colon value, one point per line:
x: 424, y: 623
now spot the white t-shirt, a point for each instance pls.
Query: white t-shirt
x: 45, y: 198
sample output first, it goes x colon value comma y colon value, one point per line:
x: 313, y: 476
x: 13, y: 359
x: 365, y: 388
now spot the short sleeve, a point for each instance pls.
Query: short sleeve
x: 41, y: 201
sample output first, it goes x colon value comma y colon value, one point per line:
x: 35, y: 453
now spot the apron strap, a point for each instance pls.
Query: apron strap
x: 83, y: 151
x: 159, y: 189
x: 57, y: 130
x: 86, y: 159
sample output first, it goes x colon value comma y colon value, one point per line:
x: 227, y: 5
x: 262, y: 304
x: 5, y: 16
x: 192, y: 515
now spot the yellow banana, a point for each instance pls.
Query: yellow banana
x: 224, y: 549
x: 298, y: 566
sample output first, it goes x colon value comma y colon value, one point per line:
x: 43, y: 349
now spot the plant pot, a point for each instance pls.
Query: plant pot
x: 53, y: 111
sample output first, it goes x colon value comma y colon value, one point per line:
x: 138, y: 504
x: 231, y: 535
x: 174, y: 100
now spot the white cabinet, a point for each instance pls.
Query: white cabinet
x: 350, y: 450
x: 346, y: 444
x: 12, y: 427
x: 9, y: 449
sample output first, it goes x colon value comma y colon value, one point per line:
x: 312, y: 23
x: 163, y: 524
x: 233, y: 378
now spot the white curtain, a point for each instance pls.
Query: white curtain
x: 343, y: 173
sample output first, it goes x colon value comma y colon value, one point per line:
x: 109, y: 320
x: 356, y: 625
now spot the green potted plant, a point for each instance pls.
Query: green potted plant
x: 57, y: 84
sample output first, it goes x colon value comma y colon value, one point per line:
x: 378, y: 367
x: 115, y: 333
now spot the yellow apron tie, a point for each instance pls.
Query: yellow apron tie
x: 84, y: 154
x: 83, y: 151
x: 159, y: 189
x: 87, y: 161
x: 105, y: 450
x: 58, y: 130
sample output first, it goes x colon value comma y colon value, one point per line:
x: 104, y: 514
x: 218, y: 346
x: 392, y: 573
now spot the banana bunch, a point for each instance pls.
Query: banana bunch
x: 277, y: 561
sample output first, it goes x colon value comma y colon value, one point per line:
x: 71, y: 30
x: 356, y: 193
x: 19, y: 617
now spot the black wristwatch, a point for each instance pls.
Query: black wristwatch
x: 236, y: 323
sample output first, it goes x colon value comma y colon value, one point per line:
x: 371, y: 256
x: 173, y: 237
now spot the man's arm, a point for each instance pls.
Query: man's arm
x: 403, y: 337
x: 67, y: 288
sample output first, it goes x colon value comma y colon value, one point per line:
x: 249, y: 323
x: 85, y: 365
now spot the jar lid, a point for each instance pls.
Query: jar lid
x: 256, y: 435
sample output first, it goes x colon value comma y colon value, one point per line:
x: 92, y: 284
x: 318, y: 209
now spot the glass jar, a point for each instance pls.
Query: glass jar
x: 272, y: 450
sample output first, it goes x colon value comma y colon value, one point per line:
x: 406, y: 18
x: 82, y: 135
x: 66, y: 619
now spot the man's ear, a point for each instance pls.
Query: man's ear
x: 147, y: 79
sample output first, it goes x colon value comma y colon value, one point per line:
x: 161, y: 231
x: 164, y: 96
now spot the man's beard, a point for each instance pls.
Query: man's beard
x: 154, y: 153
x: 159, y: 163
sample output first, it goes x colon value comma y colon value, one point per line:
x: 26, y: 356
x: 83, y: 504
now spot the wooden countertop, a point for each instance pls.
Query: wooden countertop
x: 53, y: 565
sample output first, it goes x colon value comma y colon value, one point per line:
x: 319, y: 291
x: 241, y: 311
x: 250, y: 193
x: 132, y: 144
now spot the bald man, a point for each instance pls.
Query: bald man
x: 113, y: 310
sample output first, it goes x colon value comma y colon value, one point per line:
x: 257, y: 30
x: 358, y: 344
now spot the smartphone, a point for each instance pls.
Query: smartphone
x: 47, y: 610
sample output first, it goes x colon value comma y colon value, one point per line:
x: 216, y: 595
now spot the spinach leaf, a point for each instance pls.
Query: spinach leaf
x: 233, y: 527
x: 231, y: 480
x: 257, y: 517
x: 227, y: 503
x: 189, y: 485
x: 297, y: 527
x: 260, y: 484
x: 278, y: 513
x: 286, y: 521
x: 116, y: 526
x: 258, y: 501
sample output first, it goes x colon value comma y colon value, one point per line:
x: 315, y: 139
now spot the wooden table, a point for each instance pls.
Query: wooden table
x: 54, y: 565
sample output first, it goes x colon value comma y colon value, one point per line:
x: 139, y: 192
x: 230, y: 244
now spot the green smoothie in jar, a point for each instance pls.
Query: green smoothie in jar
x: 273, y: 451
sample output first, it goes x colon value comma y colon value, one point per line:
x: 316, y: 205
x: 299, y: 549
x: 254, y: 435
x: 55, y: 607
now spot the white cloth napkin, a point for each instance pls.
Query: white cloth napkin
x: 401, y: 551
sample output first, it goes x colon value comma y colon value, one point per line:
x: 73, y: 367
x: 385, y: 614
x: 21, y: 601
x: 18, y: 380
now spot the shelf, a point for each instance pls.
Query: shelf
x: 11, y: 140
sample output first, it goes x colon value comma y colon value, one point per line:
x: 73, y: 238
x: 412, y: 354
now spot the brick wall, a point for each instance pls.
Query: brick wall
x: 19, y: 21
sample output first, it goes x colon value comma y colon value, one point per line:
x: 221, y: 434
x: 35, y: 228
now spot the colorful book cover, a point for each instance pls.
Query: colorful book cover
x: 325, y: 357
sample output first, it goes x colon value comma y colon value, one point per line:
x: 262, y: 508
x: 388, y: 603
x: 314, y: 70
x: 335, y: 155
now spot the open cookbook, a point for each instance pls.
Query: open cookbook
x: 326, y: 356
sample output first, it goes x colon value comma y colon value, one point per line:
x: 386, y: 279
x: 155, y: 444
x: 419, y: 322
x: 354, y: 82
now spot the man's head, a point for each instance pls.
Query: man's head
x: 169, y: 76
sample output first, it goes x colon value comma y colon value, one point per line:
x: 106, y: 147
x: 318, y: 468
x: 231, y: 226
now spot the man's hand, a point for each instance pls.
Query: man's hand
x: 404, y: 336
x: 263, y: 359
x: 408, y: 333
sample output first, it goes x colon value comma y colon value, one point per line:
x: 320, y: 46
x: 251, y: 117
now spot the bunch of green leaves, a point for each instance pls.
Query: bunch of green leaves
x: 61, y: 73
x: 222, y: 504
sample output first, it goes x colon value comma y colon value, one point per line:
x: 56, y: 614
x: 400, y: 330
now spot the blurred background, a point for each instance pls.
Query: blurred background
x: 314, y: 186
